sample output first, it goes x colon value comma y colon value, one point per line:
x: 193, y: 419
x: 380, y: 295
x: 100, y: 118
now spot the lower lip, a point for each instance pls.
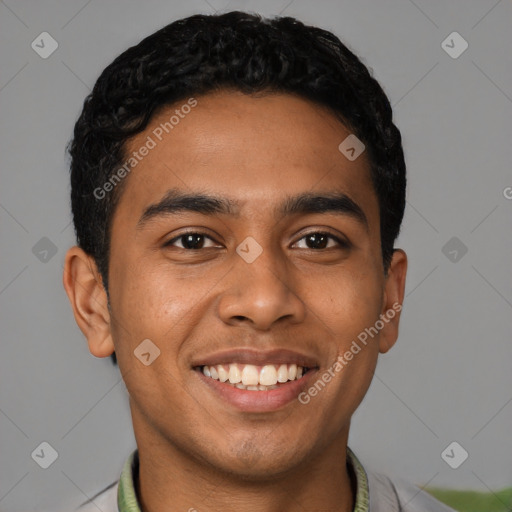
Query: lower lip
x: 259, y: 401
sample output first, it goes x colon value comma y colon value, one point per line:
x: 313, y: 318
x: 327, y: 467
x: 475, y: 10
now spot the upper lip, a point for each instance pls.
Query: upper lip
x: 256, y: 357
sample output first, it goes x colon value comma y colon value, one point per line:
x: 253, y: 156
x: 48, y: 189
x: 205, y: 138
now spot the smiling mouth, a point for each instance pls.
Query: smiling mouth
x: 254, y: 378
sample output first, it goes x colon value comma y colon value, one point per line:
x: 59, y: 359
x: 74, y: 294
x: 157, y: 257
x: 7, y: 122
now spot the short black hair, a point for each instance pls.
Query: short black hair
x: 235, y: 50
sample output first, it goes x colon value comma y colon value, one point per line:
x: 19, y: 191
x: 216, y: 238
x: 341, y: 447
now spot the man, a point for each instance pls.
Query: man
x: 237, y: 188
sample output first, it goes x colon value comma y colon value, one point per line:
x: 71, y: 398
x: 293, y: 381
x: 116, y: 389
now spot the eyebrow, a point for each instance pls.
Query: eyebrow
x: 176, y: 201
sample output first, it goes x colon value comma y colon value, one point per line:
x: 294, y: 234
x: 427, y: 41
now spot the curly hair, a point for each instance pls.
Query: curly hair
x: 235, y: 50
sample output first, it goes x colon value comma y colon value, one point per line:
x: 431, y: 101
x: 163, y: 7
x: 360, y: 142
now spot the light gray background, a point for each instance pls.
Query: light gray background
x: 449, y: 376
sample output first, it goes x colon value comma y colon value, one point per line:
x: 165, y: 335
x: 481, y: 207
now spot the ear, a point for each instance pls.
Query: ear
x: 84, y: 287
x: 394, y: 290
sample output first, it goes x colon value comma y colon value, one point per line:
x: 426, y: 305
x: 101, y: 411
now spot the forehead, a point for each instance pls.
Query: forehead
x: 253, y: 148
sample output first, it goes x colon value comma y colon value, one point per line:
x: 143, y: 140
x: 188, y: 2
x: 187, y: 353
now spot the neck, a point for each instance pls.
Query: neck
x: 170, y: 479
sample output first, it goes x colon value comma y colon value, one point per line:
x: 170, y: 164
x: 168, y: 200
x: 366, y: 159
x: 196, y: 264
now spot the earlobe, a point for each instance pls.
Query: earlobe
x: 393, y: 299
x: 88, y: 299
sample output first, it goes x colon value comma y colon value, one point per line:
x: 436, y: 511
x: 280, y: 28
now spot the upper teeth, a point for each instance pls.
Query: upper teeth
x: 251, y: 375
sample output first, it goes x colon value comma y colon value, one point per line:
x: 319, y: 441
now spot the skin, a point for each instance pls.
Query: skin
x: 195, y: 449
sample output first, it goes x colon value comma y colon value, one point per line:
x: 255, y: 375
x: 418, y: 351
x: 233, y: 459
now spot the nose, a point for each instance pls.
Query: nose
x: 261, y: 294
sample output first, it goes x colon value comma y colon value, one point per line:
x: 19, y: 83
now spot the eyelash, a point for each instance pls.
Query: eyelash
x: 342, y: 243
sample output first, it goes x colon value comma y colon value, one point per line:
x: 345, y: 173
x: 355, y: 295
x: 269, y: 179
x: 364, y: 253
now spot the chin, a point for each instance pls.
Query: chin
x: 251, y: 461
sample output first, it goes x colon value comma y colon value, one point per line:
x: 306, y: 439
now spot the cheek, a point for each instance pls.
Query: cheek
x: 144, y: 292
x: 151, y: 302
x: 347, y: 307
x: 347, y: 301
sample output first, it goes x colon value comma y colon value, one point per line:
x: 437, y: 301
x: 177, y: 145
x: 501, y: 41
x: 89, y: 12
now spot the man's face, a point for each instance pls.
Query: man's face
x: 316, y: 285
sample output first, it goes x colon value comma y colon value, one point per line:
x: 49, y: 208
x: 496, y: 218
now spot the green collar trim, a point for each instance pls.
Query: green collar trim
x: 127, y: 498
x: 363, y: 493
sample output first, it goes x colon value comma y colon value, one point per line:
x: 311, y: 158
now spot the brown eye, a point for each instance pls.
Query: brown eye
x: 320, y: 240
x: 190, y: 241
x: 317, y: 241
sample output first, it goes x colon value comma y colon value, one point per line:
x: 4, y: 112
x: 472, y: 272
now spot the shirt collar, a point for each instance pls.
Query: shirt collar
x: 127, y: 497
